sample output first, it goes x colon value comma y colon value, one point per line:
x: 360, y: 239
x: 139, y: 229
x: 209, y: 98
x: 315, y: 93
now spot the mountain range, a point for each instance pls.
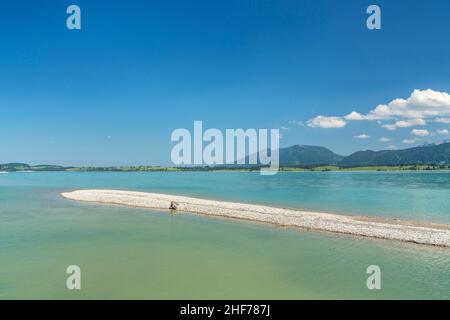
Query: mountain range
x: 437, y: 154
x: 307, y: 156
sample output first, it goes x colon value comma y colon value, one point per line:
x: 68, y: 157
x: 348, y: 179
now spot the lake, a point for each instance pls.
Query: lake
x: 137, y: 253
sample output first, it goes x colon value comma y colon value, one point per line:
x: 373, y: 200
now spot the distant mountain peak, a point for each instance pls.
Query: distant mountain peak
x: 304, y: 155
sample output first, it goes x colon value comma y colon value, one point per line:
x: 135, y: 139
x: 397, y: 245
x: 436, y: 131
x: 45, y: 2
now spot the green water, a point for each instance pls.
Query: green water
x: 136, y: 253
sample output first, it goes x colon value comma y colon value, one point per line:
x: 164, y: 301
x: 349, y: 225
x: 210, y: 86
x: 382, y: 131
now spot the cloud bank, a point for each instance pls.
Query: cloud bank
x: 420, y: 106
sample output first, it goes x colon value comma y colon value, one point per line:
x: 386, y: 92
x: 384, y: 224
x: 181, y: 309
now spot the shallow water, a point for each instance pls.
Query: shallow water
x: 137, y: 253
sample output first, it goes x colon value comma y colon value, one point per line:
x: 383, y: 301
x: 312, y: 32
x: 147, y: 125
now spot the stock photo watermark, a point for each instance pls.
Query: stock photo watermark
x: 374, y: 280
x: 233, y: 147
x: 73, y: 21
x: 374, y: 20
x: 73, y: 281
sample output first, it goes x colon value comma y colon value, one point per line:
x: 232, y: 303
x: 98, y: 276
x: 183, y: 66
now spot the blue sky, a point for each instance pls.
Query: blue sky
x: 112, y: 93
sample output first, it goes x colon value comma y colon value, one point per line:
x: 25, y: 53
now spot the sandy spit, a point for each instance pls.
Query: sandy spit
x: 409, y: 231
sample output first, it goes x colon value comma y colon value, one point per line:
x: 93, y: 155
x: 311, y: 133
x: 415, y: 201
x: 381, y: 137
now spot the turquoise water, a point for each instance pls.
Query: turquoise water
x: 136, y: 253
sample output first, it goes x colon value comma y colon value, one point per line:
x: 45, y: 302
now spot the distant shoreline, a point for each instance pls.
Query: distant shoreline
x: 226, y: 169
x: 434, y: 156
x: 407, y: 231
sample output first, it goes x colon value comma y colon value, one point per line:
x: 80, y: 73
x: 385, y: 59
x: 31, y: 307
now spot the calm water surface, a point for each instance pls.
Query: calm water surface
x: 137, y: 253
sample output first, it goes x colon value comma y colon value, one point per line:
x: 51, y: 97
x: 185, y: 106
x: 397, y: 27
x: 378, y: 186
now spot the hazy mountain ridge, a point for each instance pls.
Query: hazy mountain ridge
x: 427, y: 154
x: 26, y: 167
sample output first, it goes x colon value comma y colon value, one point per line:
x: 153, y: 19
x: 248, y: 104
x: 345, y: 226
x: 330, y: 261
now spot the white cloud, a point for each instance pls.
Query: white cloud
x: 412, y: 111
x: 389, y: 126
x: 384, y: 139
x: 442, y: 120
x: 326, y: 122
x: 421, y: 104
x: 443, y: 131
x: 362, y: 136
x: 420, y: 132
x: 354, y: 116
x: 392, y: 147
x: 410, y: 123
x: 405, y: 124
x: 409, y: 141
x: 416, y: 110
x: 284, y: 128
